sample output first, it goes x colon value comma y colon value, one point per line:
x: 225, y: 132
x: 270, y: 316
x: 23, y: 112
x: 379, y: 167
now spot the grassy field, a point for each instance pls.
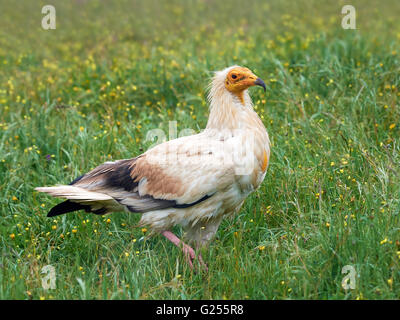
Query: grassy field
x: 89, y: 91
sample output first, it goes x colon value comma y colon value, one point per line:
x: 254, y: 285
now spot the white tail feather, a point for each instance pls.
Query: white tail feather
x: 74, y: 193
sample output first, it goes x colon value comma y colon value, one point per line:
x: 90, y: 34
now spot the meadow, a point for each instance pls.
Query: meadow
x: 89, y: 91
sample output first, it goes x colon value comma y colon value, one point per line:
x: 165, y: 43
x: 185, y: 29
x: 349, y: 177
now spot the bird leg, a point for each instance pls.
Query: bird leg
x: 189, y: 252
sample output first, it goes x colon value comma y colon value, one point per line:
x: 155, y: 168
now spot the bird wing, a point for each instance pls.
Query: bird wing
x: 179, y: 173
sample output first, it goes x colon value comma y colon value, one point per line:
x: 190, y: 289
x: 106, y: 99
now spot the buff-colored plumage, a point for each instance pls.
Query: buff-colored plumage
x: 193, y: 181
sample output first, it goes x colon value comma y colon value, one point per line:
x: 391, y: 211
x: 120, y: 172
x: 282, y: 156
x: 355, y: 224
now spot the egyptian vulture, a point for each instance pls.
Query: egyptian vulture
x: 193, y: 181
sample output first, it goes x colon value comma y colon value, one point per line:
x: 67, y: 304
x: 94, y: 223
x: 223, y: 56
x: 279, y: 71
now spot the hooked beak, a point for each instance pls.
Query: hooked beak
x: 261, y: 83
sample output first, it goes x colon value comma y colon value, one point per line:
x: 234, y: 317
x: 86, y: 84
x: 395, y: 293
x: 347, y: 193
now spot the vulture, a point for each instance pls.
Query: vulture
x: 192, y: 181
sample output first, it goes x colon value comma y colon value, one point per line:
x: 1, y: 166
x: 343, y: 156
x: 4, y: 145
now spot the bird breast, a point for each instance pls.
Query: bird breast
x: 252, y: 152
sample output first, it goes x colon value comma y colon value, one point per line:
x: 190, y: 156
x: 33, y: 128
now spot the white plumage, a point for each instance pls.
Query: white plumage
x: 193, y: 181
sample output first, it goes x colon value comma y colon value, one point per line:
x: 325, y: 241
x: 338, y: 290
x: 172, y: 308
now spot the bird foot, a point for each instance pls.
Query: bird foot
x: 190, y: 256
x: 188, y: 251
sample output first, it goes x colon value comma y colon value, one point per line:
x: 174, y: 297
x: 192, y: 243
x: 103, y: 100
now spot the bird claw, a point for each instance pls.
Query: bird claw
x: 190, y: 256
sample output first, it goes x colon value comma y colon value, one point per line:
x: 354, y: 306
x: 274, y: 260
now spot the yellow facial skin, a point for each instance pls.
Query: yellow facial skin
x: 240, y: 79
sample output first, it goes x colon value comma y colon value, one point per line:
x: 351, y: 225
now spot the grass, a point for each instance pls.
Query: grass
x: 89, y: 91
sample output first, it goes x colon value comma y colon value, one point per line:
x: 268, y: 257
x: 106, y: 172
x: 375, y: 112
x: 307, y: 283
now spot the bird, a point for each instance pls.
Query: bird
x: 193, y: 181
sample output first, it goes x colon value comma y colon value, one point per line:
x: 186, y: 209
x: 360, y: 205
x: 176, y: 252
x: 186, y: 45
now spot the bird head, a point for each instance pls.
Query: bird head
x: 239, y: 79
x: 228, y: 92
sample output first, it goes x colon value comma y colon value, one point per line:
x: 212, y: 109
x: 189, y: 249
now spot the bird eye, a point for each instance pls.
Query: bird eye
x: 234, y: 76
